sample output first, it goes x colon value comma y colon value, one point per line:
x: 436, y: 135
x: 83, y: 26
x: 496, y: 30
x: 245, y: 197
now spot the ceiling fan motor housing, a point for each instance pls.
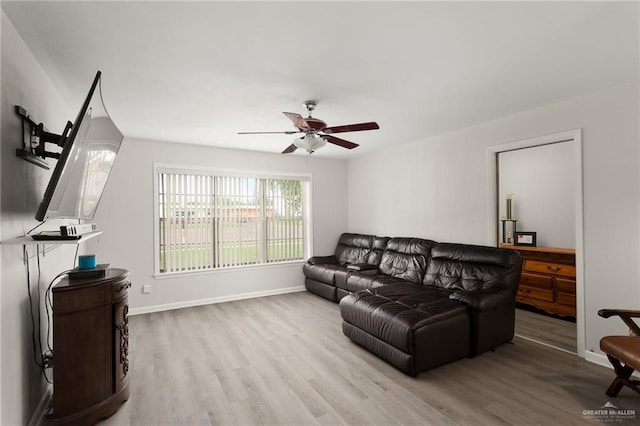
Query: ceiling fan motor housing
x: 310, y: 105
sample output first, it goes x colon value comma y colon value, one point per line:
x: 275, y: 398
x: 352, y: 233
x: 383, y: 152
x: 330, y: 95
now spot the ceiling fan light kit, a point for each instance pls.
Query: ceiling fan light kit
x: 316, y: 132
x: 310, y: 142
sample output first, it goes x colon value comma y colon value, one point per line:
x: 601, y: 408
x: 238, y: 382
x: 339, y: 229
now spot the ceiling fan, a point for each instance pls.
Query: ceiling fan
x: 315, y: 131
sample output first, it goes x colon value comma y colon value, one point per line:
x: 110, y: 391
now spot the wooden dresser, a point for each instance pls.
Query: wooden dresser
x: 548, y: 279
x: 90, y: 348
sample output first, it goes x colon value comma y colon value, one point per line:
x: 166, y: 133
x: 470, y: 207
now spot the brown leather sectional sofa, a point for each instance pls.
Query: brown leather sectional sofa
x: 417, y: 303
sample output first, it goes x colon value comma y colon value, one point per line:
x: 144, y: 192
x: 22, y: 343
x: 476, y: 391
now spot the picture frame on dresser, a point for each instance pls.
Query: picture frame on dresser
x: 522, y: 238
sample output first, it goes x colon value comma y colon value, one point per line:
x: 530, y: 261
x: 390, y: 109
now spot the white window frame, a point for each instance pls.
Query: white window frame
x: 189, y: 169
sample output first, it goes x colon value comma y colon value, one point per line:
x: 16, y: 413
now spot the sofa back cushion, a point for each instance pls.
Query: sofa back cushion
x: 377, y: 249
x: 406, y: 258
x: 470, y: 268
x: 353, y: 248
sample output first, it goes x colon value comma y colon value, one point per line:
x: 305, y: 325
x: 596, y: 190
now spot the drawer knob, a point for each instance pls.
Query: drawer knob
x: 124, y: 287
x: 554, y: 269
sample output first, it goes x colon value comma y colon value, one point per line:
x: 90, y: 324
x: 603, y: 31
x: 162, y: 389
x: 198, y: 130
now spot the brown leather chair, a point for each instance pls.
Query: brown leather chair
x: 622, y: 350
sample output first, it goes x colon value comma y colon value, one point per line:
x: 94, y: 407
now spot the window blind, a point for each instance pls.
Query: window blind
x: 207, y: 221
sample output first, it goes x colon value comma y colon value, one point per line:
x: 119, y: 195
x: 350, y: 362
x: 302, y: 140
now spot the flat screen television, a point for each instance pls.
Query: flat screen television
x: 88, y: 154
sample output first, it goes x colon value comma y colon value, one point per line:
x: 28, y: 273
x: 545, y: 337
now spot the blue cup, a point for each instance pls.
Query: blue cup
x: 87, y: 261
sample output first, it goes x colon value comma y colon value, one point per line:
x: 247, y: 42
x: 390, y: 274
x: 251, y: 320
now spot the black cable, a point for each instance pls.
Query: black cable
x: 35, y: 227
x: 38, y: 305
x: 48, y: 303
x: 25, y: 254
x: 42, y: 364
x: 49, y: 312
x: 43, y: 356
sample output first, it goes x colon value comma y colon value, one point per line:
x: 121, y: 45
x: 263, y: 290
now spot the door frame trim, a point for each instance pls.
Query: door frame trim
x: 575, y: 136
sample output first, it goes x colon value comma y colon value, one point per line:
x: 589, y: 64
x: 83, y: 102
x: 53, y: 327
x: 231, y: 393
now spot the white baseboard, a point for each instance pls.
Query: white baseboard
x: 594, y: 357
x: 597, y: 358
x: 38, y: 416
x: 539, y: 342
x: 602, y: 360
x: 212, y: 300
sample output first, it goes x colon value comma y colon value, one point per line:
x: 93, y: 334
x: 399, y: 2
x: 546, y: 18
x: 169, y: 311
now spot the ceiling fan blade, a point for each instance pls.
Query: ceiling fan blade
x: 372, y: 125
x: 340, y: 142
x: 297, y: 119
x: 315, y: 123
x: 286, y: 132
x: 290, y: 149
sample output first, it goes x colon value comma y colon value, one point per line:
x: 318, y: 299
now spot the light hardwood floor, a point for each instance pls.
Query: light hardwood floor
x: 547, y: 329
x: 283, y: 360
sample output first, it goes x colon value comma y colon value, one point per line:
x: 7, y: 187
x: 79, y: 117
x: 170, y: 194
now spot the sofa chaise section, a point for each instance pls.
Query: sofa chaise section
x: 417, y: 303
x: 464, y: 305
x: 412, y: 327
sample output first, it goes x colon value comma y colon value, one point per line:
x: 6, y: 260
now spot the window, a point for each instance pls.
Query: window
x: 207, y: 220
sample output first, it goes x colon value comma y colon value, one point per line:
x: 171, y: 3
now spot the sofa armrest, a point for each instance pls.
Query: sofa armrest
x: 318, y: 260
x: 363, y: 267
x: 485, y: 299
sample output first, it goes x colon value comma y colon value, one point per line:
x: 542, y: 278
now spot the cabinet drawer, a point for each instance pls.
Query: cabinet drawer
x: 536, y: 293
x: 567, y: 299
x: 534, y: 280
x: 565, y: 285
x: 550, y: 268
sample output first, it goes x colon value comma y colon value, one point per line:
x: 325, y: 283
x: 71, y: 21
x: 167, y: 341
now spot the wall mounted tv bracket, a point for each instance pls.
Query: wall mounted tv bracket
x: 33, y: 145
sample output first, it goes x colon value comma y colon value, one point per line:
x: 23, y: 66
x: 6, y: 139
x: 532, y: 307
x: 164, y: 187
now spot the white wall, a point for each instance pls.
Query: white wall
x: 542, y: 181
x: 125, y: 215
x: 23, y: 83
x: 437, y: 188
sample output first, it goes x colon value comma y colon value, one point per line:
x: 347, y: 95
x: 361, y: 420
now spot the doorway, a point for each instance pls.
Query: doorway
x: 546, y: 199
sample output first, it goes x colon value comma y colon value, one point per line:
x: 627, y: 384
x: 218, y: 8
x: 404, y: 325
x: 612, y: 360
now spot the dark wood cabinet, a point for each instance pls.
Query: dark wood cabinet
x: 548, y: 279
x: 90, y: 348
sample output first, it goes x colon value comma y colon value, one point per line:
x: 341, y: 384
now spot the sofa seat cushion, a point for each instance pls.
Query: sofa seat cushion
x: 354, y: 281
x: 381, y: 280
x: 395, y: 313
x: 357, y: 281
x: 323, y: 272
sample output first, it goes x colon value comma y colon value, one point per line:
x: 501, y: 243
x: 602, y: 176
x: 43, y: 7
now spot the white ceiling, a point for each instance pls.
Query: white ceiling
x: 199, y: 72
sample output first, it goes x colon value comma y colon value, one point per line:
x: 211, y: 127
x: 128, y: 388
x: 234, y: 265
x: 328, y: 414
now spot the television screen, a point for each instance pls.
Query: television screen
x: 88, y: 154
